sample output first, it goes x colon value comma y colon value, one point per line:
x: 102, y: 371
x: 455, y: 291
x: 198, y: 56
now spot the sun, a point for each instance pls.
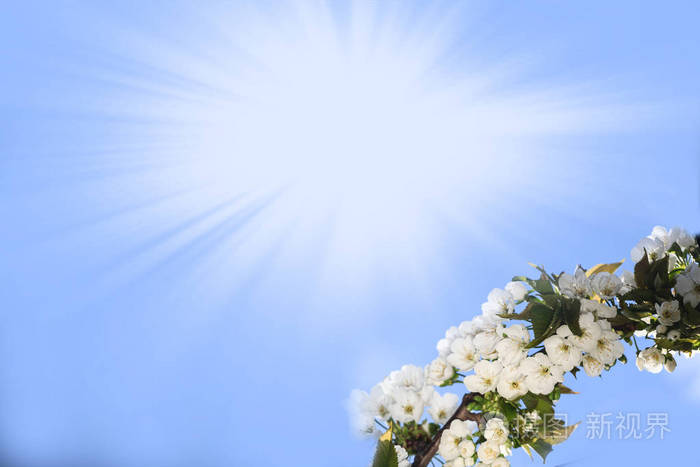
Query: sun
x: 357, y: 136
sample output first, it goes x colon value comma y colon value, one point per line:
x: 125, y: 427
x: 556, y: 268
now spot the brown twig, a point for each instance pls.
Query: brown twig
x: 423, y: 458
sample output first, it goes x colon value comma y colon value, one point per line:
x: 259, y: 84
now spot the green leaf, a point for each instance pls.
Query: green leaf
x: 388, y: 433
x: 603, y: 267
x: 542, y: 448
x: 451, y: 380
x: 639, y: 295
x: 544, y: 322
x: 684, y: 345
x: 540, y: 403
x: 658, y: 269
x: 566, y: 390
x: 641, y: 269
x: 676, y: 248
x: 545, y: 405
x: 552, y: 300
x: 385, y: 455
x: 508, y: 410
x: 558, y: 434
x: 692, y: 316
x: 527, y: 280
x: 543, y: 285
x: 572, y: 312
x: 541, y: 316
x: 522, y: 279
x: 530, y: 400
x: 523, y: 315
x: 555, y: 395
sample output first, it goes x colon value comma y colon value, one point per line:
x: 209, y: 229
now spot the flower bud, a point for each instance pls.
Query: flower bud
x: 670, y: 364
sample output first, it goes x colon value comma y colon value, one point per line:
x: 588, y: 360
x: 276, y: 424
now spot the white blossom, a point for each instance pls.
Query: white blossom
x: 628, y: 282
x: 466, y: 448
x: 518, y: 290
x: 361, y: 420
x: 601, y: 310
x: 500, y: 462
x: 452, y: 333
x: 606, y: 285
x: 407, y: 406
x: 577, y: 285
x: 590, y: 332
x: 449, y: 447
x: 506, y: 450
x: 485, y: 377
x: 402, y: 456
x: 442, y: 407
x: 650, y: 359
x: 484, y: 323
x: 661, y: 329
x: 463, y: 428
x: 499, y: 302
x: 438, y: 371
x: 378, y: 403
x: 517, y: 332
x: 674, y: 235
x: 605, y: 311
x: 541, y: 374
x: 427, y: 394
x: 443, y: 347
x: 408, y: 377
x: 668, y: 312
x: 653, y: 247
x: 496, y: 431
x: 463, y: 354
x: 363, y: 425
x: 685, y: 240
x: 608, y: 347
x: 510, y: 352
x: 485, y: 342
x: 670, y: 364
x: 488, y: 451
x: 592, y: 366
x: 511, y: 384
x: 458, y: 462
x: 564, y: 331
x: 562, y: 352
x: 688, y: 285
x: 467, y: 328
x: 673, y: 335
x: 512, y: 348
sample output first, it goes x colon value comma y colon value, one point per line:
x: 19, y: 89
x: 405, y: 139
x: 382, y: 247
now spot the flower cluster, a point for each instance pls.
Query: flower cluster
x: 402, y: 397
x: 458, y: 449
x: 456, y: 444
x: 516, y: 370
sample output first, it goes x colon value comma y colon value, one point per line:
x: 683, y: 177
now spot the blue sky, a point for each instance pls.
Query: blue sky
x: 219, y: 219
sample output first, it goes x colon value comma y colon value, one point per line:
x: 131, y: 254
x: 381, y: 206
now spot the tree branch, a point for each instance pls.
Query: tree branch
x: 423, y: 458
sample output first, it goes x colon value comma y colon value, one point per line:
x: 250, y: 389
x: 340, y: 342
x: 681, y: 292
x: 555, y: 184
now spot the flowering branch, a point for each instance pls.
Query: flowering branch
x: 423, y: 458
x: 514, y: 373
